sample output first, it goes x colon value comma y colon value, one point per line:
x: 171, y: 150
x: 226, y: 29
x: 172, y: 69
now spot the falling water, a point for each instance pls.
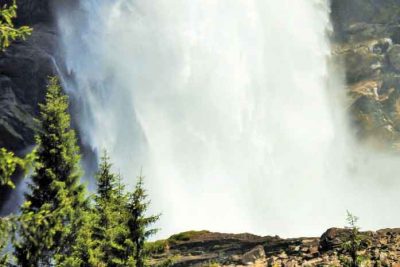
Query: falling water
x: 225, y: 104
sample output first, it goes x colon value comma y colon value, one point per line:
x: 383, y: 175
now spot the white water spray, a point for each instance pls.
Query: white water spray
x: 225, y: 104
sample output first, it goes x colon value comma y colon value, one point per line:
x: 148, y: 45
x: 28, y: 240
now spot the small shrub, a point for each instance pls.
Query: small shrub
x: 212, y: 264
x: 353, y: 244
x: 156, y: 247
x: 170, y: 261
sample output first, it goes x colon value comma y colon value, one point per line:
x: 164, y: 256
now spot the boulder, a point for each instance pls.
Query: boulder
x: 253, y: 255
x: 332, y: 239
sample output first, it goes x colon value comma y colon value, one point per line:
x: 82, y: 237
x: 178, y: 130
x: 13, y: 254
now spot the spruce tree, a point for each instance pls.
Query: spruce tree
x: 138, y: 223
x: 51, y: 213
x: 107, y: 181
x: 110, y: 230
x: 82, y: 251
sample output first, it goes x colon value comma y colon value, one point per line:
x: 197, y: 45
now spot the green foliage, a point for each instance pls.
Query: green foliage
x: 51, y: 218
x: 8, y: 32
x: 6, y: 228
x: 9, y: 164
x: 110, y: 231
x: 57, y: 153
x: 212, y: 264
x: 156, y: 247
x: 170, y: 261
x: 108, y: 184
x: 38, y: 231
x: 119, y: 227
x: 138, y: 223
x: 58, y: 225
x: 82, y: 251
x: 353, y: 243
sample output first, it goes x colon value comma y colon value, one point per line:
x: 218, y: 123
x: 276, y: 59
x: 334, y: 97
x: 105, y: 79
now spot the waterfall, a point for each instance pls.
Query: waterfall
x: 227, y: 106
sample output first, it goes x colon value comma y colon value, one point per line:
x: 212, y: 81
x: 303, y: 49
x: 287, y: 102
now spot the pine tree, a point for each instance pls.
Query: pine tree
x: 110, y: 229
x: 138, y: 223
x: 82, y: 251
x: 107, y: 182
x: 51, y: 214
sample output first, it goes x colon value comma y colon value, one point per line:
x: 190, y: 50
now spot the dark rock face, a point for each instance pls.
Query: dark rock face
x: 354, y: 16
x: 31, y: 12
x: 24, y: 68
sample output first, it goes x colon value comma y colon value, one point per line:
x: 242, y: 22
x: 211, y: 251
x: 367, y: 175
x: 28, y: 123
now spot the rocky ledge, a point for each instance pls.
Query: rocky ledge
x: 203, y: 248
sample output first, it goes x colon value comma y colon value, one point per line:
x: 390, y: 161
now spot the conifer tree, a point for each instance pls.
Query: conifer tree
x: 51, y: 214
x: 110, y: 230
x: 138, y: 223
x: 107, y: 182
x: 82, y: 251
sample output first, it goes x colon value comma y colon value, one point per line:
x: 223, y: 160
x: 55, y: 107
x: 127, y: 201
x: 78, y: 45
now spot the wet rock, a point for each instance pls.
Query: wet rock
x: 362, y: 63
x: 367, y: 42
x: 394, y: 57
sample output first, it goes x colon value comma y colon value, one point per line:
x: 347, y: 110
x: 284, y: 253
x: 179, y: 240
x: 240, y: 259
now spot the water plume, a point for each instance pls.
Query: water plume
x: 229, y: 106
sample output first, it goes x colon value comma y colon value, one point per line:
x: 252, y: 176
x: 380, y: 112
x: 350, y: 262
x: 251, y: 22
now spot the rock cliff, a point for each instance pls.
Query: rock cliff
x: 24, y: 68
x: 367, y: 42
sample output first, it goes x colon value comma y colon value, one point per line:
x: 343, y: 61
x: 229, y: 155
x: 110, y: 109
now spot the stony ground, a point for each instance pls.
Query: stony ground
x: 381, y: 248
